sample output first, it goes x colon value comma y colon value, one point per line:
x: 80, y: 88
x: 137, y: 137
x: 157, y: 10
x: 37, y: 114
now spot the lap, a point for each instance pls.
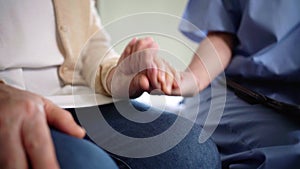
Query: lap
x: 74, y: 153
x: 187, y: 153
x: 251, y: 136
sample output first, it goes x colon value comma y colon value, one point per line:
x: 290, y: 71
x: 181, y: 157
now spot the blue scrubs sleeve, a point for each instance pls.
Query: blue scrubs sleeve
x: 202, y: 16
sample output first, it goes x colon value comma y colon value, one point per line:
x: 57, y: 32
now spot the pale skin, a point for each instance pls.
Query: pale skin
x: 25, y: 117
x: 151, y: 71
x: 210, y: 59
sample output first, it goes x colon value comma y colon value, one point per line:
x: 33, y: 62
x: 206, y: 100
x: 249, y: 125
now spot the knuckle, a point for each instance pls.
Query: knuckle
x: 37, y: 144
x: 141, y: 43
x: 33, y: 144
x: 38, y: 136
x: 28, y: 106
x: 31, y: 107
x: 149, y: 40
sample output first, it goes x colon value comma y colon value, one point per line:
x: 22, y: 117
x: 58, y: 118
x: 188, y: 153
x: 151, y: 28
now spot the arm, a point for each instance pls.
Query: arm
x: 211, y: 58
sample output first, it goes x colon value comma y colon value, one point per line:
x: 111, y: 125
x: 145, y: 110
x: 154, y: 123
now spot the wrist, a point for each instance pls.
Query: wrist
x: 109, y: 79
x: 200, y: 76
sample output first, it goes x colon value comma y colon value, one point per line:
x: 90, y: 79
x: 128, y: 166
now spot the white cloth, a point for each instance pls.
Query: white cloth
x: 30, y: 51
x: 28, y: 35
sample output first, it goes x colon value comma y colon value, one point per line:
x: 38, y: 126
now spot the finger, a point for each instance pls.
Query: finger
x: 144, y: 82
x: 146, y: 50
x: 128, y: 49
x: 130, y: 46
x: 172, y: 78
x: 62, y: 120
x: 178, y: 90
x: 161, y: 70
x: 142, y: 44
x: 177, y: 79
x: 154, y: 49
x: 152, y: 74
x: 145, y: 43
x: 164, y: 77
x: 149, y: 55
x: 135, y: 46
x: 37, y: 141
x: 12, y: 154
x: 138, y: 85
x: 168, y: 82
x: 176, y: 76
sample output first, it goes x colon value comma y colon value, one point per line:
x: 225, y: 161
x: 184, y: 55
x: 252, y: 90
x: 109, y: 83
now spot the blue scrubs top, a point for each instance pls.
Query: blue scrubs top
x: 267, y: 57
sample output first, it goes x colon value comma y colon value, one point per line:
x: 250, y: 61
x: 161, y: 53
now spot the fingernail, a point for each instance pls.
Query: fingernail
x: 159, y: 76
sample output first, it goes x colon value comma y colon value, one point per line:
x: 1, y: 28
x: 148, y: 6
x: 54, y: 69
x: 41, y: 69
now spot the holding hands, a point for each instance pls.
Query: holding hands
x: 140, y: 69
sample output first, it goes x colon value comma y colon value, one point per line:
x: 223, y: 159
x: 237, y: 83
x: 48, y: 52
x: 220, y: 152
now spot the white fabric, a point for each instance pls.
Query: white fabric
x: 28, y: 34
x: 30, y: 53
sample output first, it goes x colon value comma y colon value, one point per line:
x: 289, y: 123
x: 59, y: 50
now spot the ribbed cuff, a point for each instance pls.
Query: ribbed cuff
x: 102, y: 75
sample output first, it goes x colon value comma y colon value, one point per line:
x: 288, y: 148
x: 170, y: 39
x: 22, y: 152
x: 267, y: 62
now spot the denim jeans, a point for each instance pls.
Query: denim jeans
x: 74, y: 153
x: 188, y: 153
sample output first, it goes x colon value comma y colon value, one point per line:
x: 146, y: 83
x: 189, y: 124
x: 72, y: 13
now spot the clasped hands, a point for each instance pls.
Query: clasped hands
x: 25, y: 116
x: 140, y: 69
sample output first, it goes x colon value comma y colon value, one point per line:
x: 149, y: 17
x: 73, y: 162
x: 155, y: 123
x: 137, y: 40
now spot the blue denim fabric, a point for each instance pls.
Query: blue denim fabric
x: 189, y: 153
x: 74, y: 153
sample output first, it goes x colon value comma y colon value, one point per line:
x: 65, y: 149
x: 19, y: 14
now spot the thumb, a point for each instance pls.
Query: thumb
x: 62, y: 120
x: 139, y: 84
x: 143, y: 82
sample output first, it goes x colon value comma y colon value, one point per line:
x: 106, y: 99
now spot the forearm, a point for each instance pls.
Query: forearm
x: 211, y: 58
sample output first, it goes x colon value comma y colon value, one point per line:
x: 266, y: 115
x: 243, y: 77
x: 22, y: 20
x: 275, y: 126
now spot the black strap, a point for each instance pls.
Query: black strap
x: 253, y: 97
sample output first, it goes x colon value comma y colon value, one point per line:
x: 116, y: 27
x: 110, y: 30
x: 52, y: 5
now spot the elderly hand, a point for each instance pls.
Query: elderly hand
x: 140, y: 69
x: 24, y: 134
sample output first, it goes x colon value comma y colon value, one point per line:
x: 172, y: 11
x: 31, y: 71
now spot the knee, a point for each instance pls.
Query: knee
x: 190, y: 152
x: 77, y: 153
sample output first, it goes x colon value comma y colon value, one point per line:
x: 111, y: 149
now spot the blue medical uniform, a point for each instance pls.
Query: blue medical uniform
x: 266, y: 60
x: 268, y: 32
